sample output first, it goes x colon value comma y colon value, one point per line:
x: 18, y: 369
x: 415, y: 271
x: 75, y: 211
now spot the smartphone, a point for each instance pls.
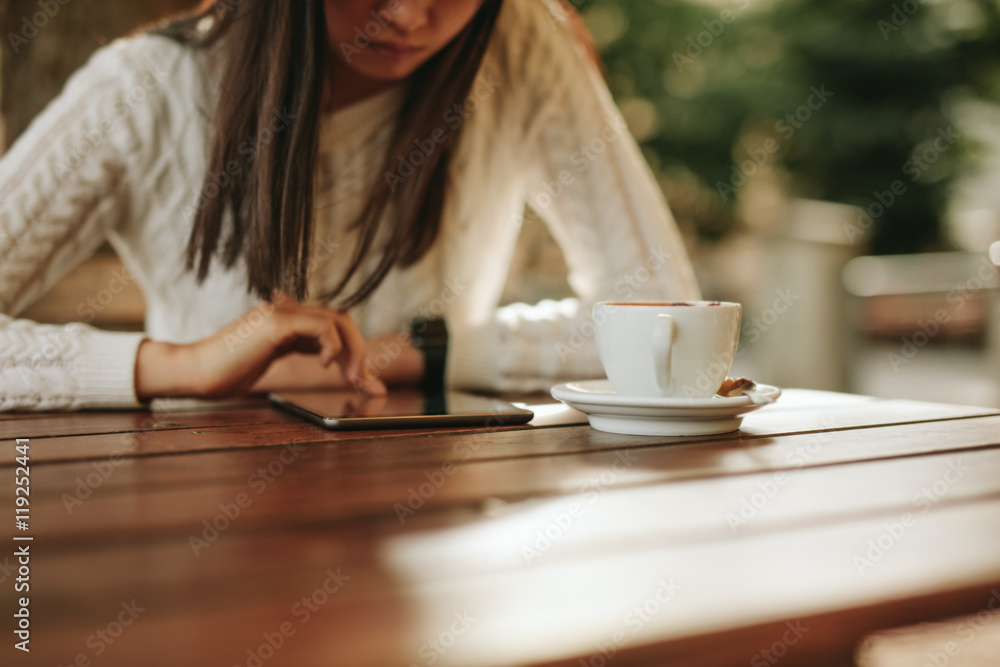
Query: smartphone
x: 346, y: 410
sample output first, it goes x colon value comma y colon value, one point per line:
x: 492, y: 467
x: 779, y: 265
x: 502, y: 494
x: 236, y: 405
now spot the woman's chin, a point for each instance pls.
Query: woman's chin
x: 380, y: 70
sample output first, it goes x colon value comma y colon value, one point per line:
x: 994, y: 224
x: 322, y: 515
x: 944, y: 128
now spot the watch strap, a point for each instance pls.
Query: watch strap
x: 430, y: 336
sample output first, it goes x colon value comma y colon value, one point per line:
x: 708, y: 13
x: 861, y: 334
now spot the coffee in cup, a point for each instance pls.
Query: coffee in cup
x: 671, y: 349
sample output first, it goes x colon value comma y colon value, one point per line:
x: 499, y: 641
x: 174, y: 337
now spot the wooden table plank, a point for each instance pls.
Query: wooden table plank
x: 323, y: 484
x: 129, y: 435
x: 560, y: 611
x: 163, y: 413
x: 103, y: 435
x: 775, y: 576
x: 464, y: 543
x: 121, y: 428
x: 157, y: 408
x: 398, y: 449
x: 655, y: 509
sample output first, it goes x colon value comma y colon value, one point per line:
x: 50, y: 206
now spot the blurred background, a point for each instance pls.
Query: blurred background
x: 835, y: 167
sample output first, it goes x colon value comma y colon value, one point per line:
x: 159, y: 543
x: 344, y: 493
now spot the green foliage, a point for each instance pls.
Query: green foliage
x: 722, y: 84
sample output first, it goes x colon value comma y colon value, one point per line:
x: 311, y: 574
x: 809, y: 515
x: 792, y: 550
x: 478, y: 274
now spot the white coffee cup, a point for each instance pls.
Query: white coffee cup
x: 677, y: 349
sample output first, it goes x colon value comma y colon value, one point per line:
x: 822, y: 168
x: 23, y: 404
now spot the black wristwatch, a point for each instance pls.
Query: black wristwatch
x: 431, y: 338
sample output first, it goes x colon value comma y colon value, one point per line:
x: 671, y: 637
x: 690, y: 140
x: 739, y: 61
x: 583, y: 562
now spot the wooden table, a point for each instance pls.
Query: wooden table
x: 215, y: 535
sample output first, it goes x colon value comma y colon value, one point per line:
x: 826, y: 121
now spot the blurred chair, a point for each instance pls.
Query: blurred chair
x: 99, y: 292
x: 926, y: 326
x: 795, y: 329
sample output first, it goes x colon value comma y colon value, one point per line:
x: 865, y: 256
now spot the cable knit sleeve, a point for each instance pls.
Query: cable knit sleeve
x: 63, y: 188
x: 586, y: 177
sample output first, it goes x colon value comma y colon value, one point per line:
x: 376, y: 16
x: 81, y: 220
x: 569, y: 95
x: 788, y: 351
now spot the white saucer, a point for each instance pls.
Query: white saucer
x: 630, y: 415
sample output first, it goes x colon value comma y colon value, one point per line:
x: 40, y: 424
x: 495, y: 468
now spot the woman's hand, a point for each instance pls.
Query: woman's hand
x: 391, y: 359
x: 234, y: 359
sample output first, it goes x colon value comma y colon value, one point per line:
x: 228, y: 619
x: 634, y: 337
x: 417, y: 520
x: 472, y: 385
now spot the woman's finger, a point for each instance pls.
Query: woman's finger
x: 339, y: 339
x: 354, y: 350
x: 300, y: 328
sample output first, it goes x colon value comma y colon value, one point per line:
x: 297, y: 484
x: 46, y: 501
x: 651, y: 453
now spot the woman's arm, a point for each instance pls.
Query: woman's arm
x: 586, y: 177
x: 291, y: 346
x: 74, y: 177
x: 63, y: 188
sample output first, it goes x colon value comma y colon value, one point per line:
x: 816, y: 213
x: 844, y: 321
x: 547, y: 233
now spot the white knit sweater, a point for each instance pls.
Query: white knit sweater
x: 121, y: 155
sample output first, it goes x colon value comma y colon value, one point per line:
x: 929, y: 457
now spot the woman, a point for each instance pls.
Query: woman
x: 293, y: 183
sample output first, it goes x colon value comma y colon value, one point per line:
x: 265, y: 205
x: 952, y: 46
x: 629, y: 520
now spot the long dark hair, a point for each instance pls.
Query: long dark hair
x: 276, y: 54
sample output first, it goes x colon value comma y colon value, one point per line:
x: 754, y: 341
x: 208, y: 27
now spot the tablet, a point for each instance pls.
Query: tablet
x: 399, y: 409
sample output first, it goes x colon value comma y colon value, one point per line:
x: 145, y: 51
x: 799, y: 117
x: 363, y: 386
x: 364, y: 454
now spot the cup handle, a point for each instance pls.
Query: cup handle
x: 663, y: 341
